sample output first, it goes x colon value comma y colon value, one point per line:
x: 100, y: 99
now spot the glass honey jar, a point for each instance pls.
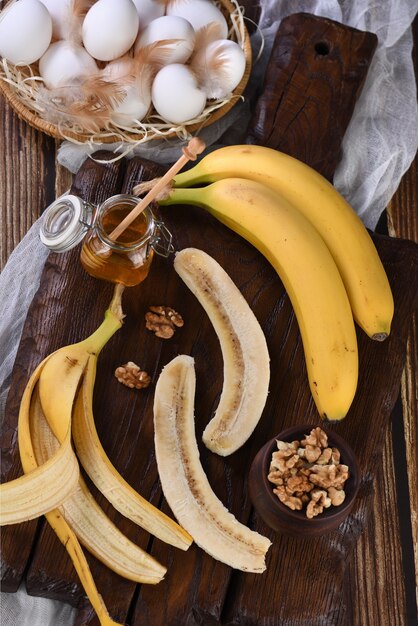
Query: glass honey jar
x: 70, y: 220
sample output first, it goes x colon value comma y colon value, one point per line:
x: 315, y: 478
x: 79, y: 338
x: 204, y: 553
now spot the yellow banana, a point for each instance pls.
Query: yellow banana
x: 302, y: 260
x: 342, y: 230
x: 106, y: 478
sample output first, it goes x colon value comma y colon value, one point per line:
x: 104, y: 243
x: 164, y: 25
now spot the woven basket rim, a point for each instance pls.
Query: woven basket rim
x: 33, y: 119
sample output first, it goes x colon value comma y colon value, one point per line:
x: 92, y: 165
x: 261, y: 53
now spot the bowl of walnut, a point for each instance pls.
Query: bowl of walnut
x: 304, y: 481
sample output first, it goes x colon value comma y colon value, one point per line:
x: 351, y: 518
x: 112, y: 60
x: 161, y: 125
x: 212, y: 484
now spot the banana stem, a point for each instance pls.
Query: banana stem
x: 112, y: 322
x: 185, y: 196
x: 116, y: 303
x: 193, y: 176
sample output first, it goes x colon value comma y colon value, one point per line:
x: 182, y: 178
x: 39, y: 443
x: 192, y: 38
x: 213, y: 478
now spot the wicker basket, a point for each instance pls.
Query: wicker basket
x: 12, y: 95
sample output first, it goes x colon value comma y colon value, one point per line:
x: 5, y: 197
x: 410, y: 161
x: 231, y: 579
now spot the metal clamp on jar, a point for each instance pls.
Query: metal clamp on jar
x: 70, y: 220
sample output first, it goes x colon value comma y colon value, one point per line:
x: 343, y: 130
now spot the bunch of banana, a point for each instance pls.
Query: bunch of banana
x: 312, y: 195
x: 309, y: 273
x: 51, y: 483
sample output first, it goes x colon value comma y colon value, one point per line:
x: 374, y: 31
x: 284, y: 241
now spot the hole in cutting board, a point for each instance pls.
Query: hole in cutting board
x: 322, y: 48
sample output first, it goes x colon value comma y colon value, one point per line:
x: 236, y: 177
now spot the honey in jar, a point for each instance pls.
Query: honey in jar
x: 126, y: 260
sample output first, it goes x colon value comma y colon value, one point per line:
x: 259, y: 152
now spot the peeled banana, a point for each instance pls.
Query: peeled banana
x: 311, y: 278
x: 245, y: 355
x: 184, y: 483
x: 96, y: 463
x: 342, y: 230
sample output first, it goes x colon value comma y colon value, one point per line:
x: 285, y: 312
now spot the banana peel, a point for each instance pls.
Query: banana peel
x: 52, y: 485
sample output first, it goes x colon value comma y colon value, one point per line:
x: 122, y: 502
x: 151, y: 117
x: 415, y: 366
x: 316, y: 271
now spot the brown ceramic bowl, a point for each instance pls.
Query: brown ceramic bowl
x: 277, y: 515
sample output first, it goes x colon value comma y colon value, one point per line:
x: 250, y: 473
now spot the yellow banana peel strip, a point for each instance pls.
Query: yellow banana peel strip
x: 108, y: 480
x: 88, y: 521
x: 55, y: 519
x: 42, y: 488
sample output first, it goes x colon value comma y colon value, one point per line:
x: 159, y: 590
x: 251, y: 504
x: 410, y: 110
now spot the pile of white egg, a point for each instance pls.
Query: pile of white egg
x: 154, y: 51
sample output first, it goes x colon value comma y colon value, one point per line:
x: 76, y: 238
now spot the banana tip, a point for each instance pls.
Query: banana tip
x: 380, y: 336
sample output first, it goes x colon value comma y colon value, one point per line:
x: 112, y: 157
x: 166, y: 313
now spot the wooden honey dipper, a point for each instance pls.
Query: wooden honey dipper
x: 190, y: 153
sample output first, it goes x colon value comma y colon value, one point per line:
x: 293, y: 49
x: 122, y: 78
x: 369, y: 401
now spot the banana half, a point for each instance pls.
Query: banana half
x: 184, y: 482
x: 244, y: 350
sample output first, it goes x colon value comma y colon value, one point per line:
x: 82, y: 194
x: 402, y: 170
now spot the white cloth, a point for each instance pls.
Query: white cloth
x: 19, y: 609
x: 378, y: 148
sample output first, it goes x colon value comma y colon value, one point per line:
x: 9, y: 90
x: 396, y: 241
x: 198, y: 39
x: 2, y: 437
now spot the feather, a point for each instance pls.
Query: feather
x: 121, y: 70
x: 79, y: 8
x: 86, y: 106
x: 77, y: 12
x: 207, y: 34
x: 211, y: 71
x: 149, y: 60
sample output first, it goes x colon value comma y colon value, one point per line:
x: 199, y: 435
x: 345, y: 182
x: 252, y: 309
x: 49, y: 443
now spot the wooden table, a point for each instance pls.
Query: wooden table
x: 382, y: 575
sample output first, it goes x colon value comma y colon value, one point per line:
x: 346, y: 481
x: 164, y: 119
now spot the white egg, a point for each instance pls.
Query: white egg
x: 148, y: 10
x: 59, y: 11
x: 110, y: 29
x: 169, y: 27
x: 222, y: 67
x: 25, y: 31
x: 175, y: 94
x: 65, y: 64
x: 199, y: 13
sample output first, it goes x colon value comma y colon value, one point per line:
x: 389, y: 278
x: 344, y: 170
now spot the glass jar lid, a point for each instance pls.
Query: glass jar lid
x: 65, y: 222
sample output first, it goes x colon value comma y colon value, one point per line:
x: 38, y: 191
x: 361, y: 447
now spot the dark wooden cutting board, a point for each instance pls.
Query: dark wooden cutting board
x: 304, y: 579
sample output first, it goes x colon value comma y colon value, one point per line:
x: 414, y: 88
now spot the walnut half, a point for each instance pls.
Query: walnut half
x: 163, y: 321
x: 132, y: 376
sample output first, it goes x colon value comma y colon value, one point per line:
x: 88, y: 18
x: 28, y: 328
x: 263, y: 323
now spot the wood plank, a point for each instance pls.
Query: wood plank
x: 409, y: 389
x: 375, y: 576
x: 403, y: 222
x: 63, y: 178
x: 314, y: 77
x: 27, y: 175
